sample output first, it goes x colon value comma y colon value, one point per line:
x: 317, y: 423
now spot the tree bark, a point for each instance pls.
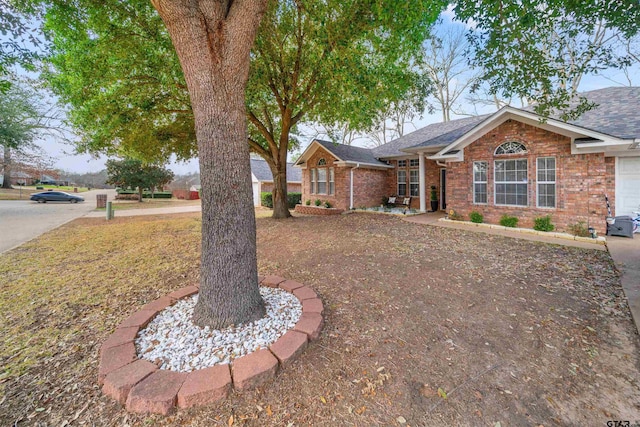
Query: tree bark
x: 6, y: 165
x: 213, y: 40
x: 279, y: 195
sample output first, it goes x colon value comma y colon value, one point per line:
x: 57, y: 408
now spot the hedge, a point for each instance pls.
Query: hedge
x: 266, y: 199
x: 145, y: 194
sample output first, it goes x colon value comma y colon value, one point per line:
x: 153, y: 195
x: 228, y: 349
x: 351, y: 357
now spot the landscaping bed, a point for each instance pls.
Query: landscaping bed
x: 423, y: 325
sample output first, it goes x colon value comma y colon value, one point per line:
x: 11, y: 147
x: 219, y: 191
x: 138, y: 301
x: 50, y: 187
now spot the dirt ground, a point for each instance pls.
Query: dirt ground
x: 424, y: 327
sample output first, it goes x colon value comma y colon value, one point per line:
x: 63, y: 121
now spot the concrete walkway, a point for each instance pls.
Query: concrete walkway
x: 626, y: 255
x: 624, y: 251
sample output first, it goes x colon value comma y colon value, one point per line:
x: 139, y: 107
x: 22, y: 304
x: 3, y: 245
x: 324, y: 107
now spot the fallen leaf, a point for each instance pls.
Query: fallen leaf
x: 268, y: 411
x: 442, y: 393
x: 323, y: 400
x: 401, y: 420
x: 361, y: 410
x: 230, y: 422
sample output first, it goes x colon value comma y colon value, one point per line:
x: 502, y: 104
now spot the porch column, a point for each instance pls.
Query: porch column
x: 423, y: 190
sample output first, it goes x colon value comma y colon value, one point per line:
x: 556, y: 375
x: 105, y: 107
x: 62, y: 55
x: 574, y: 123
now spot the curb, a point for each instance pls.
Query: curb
x: 143, y: 388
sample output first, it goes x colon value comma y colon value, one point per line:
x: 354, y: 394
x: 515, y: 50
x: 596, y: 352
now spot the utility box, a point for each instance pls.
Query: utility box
x: 623, y: 226
x: 101, y: 201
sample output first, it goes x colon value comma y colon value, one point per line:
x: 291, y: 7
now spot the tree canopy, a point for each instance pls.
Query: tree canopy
x: 326, y: 62
x: 134, y: 174
x: 540, y: 51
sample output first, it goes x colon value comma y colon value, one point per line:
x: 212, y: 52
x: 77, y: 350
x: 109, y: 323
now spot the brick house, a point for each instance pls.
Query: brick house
x: 262, y: 179
x: 509, y: 162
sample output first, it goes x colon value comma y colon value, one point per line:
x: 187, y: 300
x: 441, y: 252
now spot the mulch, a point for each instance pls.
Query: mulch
x: 424, y: 326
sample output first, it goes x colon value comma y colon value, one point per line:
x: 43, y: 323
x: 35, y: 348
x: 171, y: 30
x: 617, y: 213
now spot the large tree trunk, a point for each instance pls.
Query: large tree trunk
x: 280, y: 205
x: 213, y: 40
x: 6, y: 165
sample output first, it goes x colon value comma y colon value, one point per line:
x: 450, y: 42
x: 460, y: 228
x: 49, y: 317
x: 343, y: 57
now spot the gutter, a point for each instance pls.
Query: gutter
x: 351, y: 186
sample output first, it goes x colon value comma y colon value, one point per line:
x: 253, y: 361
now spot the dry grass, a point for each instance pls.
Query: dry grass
x: 16, y: 193
x: 507, y: 330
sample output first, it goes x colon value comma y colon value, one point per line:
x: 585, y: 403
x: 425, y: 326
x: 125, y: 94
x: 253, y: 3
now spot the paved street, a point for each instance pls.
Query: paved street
x: 23, y: 220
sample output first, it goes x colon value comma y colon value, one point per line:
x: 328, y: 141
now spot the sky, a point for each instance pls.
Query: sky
x: 67, y: 160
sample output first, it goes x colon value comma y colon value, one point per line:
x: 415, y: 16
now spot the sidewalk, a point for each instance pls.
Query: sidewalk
x: 624, y: 251
x: 626, y: 255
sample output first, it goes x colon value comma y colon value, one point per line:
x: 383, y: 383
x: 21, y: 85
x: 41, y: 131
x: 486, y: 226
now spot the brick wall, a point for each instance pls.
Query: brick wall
x: 581, y: 180
x: 432, y: 177
x: 369, y: 186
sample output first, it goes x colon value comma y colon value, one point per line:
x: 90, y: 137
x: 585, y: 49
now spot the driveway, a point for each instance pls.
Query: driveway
x: 23, y: 220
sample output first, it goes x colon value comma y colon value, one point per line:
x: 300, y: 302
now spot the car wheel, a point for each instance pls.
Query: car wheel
x: 42, y: 201
x: 74, y: 201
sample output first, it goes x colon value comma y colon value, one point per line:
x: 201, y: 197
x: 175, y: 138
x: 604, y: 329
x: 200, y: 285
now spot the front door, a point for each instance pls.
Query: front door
x: 443, y: 189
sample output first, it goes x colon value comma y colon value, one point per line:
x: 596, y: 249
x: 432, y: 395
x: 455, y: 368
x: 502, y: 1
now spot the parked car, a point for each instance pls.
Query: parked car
x: 56, y: 196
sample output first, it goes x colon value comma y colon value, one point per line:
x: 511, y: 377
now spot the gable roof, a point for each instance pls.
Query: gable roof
x: 433, y: 135
x: 610, y: 127
x: 260, y: 169
x: 349, y: 153
x: 616, y: 114
x: 345, y: 154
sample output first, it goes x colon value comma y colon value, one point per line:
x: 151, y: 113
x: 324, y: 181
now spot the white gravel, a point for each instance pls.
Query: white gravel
x: 172, y: 341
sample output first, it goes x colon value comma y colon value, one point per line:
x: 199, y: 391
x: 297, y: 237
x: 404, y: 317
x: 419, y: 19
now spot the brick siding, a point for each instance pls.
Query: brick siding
x: 581, y: 180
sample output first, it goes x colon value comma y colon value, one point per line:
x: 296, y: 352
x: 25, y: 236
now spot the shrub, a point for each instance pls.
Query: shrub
x: 476, y: 217
x: 434, y: 193
x: 127, y: 196
x: 543, y: 223
x: 327, y: 204
x: 509, y: 221
x: 266, y: 199
x: 454, y: 216
x: 308, y: 202
x: 579, y: 229
x: 293, y: 199
x: 317, y: 202
x: 157, y: 195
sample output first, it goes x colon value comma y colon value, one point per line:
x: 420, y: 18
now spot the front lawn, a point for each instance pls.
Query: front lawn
x: 424, y: 325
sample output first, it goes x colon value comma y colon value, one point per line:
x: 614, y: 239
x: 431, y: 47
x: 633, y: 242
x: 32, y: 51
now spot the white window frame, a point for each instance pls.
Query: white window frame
x: 402, y: 163
x: 414, y: 163
x: 546, y: 182
x: 402, y: 182
x: 414, y: 173
x: 516, y: 182
x: 332, y: 181
x: 478, y: 182
x: 320, y: 180
x: 313, y: 181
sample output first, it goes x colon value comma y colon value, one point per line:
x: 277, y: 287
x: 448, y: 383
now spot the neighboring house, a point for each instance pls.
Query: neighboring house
x: 262, y: 179
x: 508, y: 163
x: 22, y: 178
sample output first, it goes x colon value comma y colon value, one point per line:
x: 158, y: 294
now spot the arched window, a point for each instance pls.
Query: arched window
x: 322, y: 162
x: 511, y: 148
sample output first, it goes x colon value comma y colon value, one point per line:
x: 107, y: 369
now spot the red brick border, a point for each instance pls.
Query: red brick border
x: 144, y: 388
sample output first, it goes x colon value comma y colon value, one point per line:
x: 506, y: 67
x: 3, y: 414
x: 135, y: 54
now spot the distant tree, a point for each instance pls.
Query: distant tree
x: 446, y: 66
x: 19, y: 124
x: 134, y: 174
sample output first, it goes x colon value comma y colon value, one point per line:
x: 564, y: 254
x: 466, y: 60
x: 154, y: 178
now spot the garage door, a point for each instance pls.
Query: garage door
x: 256, y: 193
x: 627, y: 185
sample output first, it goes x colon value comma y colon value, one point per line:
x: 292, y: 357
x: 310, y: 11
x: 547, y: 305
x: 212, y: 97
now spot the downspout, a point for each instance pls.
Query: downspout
x: 441, y: 164
x: 351, y: 187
